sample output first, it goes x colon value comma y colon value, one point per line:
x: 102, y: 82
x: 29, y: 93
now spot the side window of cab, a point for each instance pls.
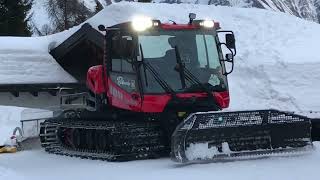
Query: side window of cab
x: 122, y: 70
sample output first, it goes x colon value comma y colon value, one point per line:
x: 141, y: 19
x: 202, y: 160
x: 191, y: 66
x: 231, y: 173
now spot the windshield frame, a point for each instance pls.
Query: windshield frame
x: 212, y: 32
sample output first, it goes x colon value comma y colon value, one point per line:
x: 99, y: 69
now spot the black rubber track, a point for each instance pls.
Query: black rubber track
x: 123, y: 141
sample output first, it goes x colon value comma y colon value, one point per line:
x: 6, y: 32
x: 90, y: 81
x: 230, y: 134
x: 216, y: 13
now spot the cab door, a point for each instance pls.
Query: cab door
x: 122, y: 75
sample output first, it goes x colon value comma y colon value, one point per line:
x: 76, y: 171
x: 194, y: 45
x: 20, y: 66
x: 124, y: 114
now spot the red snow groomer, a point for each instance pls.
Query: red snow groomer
x: 143, y: 101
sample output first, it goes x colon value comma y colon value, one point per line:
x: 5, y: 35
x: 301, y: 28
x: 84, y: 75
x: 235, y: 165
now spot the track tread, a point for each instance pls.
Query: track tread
x: 131, y: 140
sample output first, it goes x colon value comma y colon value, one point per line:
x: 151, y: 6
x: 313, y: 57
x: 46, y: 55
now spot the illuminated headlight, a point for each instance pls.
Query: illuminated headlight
x: 207, y: 24
x: 141, y: 23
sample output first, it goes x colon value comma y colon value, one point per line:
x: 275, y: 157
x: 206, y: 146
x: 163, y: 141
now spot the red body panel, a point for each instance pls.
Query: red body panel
x: 222, y: 98
x: 179, y: 26
x: 185, y: 26
x: 122, y: 99
x: 95, y: 81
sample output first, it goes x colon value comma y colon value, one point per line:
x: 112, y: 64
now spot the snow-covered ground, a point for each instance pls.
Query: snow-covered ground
x: 38, y: 165
x: 277, y: 66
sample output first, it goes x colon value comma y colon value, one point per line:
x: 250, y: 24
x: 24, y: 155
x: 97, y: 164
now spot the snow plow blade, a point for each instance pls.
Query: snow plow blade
x: 231, y: 135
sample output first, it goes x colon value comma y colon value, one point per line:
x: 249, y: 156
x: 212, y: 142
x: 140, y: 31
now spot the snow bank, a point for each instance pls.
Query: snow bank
x: 201, y: 151
x: 10, y: 119
x: 26, y: 60
x: 28, y: 66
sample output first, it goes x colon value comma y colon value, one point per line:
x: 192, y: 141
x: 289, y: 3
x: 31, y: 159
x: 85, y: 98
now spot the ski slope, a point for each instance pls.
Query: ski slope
x: 277, y: 66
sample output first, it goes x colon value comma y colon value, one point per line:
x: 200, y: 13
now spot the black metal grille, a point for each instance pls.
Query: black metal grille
x: 242, y: 131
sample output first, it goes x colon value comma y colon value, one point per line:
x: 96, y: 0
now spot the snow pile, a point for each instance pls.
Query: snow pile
x: 26, y: 66
x: 10, y: 119
x: 202, y: 151
x: 26, y: 60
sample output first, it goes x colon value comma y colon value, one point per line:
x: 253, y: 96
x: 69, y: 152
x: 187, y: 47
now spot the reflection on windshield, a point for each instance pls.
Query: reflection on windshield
x: 198, y: 52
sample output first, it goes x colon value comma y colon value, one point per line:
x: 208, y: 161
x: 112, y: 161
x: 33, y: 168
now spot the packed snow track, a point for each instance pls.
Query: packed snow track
x: 38, y: 165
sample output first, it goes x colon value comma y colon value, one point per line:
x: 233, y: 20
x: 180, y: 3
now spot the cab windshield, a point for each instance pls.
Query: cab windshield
x: 196, y: 49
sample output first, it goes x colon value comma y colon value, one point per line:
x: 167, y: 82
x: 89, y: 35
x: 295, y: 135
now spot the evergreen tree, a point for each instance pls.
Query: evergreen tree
x: 67, y: 13
x: 13, y: 17
x: 317, y: 5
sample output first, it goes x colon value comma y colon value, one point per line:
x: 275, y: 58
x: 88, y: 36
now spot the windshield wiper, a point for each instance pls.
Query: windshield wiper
x: 156, y: 75
x: 192, y: 78
x: 185, y: 73
x: 180, y: 68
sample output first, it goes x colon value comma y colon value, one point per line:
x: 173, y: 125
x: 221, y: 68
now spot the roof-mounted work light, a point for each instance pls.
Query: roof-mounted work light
x: 141, y: 23
x: 207, y: 24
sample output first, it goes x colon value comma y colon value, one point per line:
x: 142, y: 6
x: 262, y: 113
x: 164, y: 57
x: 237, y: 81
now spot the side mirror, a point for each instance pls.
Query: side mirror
x: 101, y: 27
x: 230, y: 41
x: 229, y: 59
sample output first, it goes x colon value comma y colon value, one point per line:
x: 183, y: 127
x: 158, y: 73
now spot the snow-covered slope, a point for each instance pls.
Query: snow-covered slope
x: 306, y: 9
x: 301, y: 8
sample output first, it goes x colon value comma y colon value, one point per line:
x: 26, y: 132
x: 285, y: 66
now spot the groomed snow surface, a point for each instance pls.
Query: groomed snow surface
x: 37, y: 165
x: 277, y: 66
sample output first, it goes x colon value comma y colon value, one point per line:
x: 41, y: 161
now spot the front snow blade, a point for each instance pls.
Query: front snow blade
x: 229, y: 135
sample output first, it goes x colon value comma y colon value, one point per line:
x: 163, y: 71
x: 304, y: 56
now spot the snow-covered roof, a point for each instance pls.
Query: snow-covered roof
x: 27, y: 67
